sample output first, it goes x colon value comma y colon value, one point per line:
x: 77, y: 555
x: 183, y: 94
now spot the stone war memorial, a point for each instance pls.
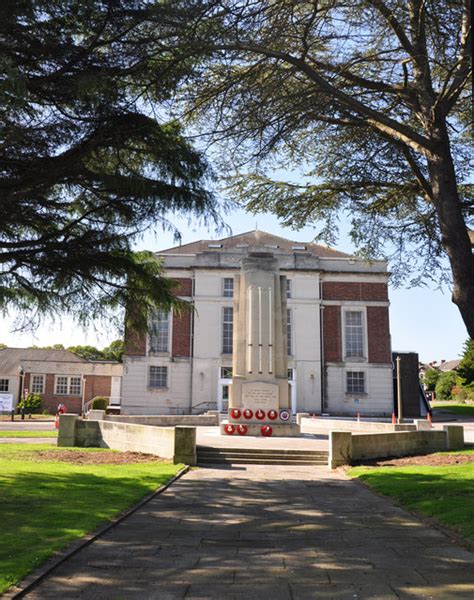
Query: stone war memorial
x: 259, y: 403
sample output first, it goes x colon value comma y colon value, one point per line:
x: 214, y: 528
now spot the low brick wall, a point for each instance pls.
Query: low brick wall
x: 323, y: 426
x: 167, y: 420
x: 175, y: 443
x: 346, y: 447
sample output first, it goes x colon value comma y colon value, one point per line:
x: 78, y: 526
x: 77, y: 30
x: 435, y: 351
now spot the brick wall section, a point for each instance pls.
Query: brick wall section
x: 332, y: 334
x: 339, y: 290
x: 378, y: 334
x: 96, y: 385
x: 185, y: 287
x: 135, y: 343
x: 50, y: 400
x: 181, y: 342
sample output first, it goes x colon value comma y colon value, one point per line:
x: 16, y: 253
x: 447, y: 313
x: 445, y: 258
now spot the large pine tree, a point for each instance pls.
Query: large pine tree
x: 85, y: 162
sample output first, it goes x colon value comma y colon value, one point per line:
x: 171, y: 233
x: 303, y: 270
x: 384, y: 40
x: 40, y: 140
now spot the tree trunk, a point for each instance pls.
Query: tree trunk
x: 454, y: 235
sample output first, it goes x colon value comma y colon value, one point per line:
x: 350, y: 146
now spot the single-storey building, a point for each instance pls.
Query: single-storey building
x: 59, y: 376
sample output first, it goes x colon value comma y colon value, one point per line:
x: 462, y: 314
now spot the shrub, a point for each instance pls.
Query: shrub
x: 445, y: 385
x: 31, y: 404
x: 100, y: 403
x: 431, y: 379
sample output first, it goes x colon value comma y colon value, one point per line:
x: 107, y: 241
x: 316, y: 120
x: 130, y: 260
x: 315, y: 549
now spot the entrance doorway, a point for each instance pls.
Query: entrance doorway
x: 223, y: 388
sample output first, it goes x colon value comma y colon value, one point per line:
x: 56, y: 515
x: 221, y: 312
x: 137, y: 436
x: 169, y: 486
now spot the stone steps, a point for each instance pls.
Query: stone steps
x: 207, y: 455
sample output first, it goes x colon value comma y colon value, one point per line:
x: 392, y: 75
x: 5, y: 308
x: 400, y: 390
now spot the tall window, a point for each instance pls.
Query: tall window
x: 37, y: 384
x: 288, y: 332
x: 355, y: 382
x: 68, y: 385
x: 228, y: 287
x: 158, y: 377
x: 354, y: 333
x: 4, y: 385
x: 288, y: 288
x: 227, y: 329
x: 159, y: 337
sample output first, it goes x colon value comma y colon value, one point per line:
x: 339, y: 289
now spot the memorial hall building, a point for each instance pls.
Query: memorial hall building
x: 337, y: 331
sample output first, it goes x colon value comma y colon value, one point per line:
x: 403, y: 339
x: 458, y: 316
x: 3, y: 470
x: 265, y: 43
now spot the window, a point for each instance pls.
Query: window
x: 4, y: 385
x: 288, y: 288
x: 290, y: 374
x: 288, y: 332
x: 226, y: 372
x: 158, y: 377
x: 67, y: 385
x: 354, y: 333
x: 228, y: 287
x: 61, y: 386
x: 37, y: 384
x: 159, y: 337
x: 355, y: 382
x: 227, y: 329
x: 75, y: 386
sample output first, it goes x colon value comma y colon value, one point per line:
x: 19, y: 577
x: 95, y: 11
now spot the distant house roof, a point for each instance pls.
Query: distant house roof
x: 442, y: 365
x: 449, y: 365
x: 254, y: 239
x: 11, y: 358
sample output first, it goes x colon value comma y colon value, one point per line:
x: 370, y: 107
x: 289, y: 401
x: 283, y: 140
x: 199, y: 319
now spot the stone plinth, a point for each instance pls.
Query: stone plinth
x: 245, y: 428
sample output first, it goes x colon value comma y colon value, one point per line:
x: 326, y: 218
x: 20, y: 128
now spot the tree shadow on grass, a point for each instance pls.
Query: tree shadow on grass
x: 44, y: 511
x: 444, y: 493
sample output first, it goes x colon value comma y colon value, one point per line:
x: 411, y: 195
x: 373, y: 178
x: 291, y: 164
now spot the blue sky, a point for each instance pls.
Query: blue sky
x: 422, y: 320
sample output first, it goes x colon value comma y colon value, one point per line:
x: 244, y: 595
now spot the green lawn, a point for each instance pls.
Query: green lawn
x: 466, y: 410
x: 46, y: 505
x: 29, y: 434
x: 445, y: 493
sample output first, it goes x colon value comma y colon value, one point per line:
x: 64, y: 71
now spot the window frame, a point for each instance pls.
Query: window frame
x: 68, y: 385
x: 227, y: 348
x: 364, y: 381
x: 289, y: 332
x: 289, y: 288
x: 7, y: 380
x: 226, y: 291
x: 32, y: 382
x: 151, y: 335
x: 166, y: 371
x: 363, y: 311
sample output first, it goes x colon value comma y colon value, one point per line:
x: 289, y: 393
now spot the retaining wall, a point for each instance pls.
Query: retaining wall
x: 175, y: 443
x: 346, y: 447
x: 167, y: 420
x: 323, y: 426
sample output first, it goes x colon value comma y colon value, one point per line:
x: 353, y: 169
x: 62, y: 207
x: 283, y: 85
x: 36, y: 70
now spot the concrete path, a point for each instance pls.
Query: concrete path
x: 266, y: 533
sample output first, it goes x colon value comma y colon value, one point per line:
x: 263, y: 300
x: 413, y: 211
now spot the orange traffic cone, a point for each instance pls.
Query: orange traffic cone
x: 394, y: 419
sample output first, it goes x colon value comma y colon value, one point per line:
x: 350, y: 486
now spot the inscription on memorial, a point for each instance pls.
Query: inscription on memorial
x: 260, y: 396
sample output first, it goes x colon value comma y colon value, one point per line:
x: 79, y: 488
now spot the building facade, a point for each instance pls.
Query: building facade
x: 59, y: 376
x: 338, y: 340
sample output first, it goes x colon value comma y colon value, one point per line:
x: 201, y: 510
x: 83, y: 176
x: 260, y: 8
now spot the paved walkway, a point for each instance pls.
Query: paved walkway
x: 266, y: 533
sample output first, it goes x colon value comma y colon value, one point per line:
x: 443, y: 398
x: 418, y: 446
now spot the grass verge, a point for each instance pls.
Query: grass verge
x: 466, y: 410
x: 443, y: 493
x: 28, y: 434
x: 47, y: 504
